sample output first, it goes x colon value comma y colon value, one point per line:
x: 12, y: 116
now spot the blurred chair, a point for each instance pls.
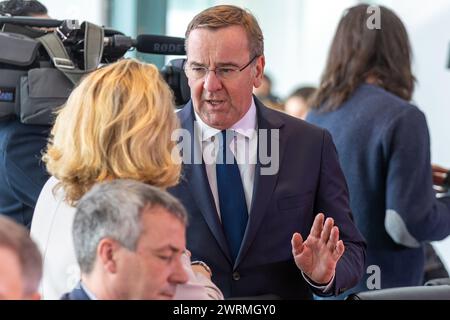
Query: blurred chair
x: 434, y: 267
x: 438, y: 282
x: 430, y: 292
x: 257, y: 298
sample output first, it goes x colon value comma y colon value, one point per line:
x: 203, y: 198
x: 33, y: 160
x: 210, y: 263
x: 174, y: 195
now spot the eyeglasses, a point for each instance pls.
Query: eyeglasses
x: 197, y: 72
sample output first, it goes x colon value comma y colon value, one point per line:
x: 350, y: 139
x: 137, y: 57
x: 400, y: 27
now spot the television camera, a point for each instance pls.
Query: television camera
x: 41, y: 60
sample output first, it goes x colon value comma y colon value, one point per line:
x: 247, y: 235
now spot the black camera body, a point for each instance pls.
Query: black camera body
x: 41, y: 60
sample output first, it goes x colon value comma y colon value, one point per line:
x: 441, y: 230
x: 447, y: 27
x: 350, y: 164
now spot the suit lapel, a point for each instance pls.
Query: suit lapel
x: 194, y: 174
x: 264, y: 185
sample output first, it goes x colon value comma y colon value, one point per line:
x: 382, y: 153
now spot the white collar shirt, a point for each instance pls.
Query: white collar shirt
x: 244, y: 148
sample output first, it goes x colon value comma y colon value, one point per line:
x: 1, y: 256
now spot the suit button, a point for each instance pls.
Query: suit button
x: 236, y: 276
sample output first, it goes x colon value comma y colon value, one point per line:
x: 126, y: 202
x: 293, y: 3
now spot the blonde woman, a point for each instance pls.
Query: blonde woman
x: 116, y: 124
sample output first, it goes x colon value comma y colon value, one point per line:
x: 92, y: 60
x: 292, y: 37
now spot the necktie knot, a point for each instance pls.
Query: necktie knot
x: 225, y: 155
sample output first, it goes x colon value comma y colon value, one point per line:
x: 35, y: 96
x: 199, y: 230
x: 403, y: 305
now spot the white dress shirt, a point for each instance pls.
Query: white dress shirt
x: 244, y: 148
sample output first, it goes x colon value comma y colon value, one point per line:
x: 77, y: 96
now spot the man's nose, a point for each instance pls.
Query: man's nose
x: 211, y: 82
x: 179, y: 275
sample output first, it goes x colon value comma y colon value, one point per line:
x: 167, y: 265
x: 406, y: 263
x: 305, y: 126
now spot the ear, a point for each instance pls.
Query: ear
x: 259, y: 69
x: 107, y: 254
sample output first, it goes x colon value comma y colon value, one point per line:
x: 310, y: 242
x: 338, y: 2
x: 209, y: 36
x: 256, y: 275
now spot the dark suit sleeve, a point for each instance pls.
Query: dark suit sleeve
x: 413, y: 214
x: 25, y: 171
x: 332, y: 199
x: 22, y: 172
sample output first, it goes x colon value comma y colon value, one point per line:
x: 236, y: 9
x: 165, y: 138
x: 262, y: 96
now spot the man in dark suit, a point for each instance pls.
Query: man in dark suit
x: 254, y: 177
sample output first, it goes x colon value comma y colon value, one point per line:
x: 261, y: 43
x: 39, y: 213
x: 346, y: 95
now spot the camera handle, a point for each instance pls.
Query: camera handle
x: 93, y: 51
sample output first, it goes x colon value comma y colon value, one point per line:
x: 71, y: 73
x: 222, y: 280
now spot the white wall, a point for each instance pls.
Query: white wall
x: 298, y: 35
x: 82, y: 10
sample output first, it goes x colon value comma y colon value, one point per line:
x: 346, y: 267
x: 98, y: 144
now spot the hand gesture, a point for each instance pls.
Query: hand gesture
x: 318, y: 255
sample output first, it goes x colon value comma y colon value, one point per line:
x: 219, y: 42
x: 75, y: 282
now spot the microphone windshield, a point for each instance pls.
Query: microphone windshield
x: 156, y: 44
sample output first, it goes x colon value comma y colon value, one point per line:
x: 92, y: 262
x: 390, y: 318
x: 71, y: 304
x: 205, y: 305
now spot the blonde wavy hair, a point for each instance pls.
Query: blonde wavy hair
x: 116, y: 124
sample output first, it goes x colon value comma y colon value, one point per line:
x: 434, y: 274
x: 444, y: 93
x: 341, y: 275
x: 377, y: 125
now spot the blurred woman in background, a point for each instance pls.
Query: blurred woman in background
x: 383, y: 145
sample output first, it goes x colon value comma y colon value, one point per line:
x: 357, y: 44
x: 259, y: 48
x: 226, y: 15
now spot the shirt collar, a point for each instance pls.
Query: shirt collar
x: 246, y: 126
x: 88, y: 292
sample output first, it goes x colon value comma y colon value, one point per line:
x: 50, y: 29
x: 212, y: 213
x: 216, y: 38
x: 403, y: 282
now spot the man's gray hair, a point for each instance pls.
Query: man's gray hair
x: 114, y: 210
x: 17, y: 239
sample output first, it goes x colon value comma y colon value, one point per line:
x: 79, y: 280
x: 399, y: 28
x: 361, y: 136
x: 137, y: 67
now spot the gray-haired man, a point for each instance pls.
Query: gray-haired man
x: 128, y: 238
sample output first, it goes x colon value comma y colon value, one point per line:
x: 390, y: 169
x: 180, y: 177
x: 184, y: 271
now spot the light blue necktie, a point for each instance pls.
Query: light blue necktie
x: 233, y: 207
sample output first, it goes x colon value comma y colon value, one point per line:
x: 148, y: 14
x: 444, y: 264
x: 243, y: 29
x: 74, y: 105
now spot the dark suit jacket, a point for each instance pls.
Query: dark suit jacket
x: 22, y: 172
x: 76, y: 294
x: 309, y: 181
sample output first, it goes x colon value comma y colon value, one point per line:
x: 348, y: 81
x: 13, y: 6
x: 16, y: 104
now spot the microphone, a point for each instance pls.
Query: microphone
x: 155, y: 44
x: 119, y: 41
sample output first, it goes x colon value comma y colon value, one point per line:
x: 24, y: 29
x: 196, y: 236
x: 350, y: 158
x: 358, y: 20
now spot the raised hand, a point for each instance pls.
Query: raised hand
x: 318, y: 255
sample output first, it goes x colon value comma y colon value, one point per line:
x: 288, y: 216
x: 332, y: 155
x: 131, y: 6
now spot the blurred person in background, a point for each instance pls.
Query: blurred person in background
x: 265, y: 94
x: 383, y: 144
x: 297, y: 104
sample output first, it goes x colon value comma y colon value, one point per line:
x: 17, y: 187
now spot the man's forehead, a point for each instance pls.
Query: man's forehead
x: 157, y: 217
x: 174, y: 242
x: 163, y: 227
x: 223, y: 41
